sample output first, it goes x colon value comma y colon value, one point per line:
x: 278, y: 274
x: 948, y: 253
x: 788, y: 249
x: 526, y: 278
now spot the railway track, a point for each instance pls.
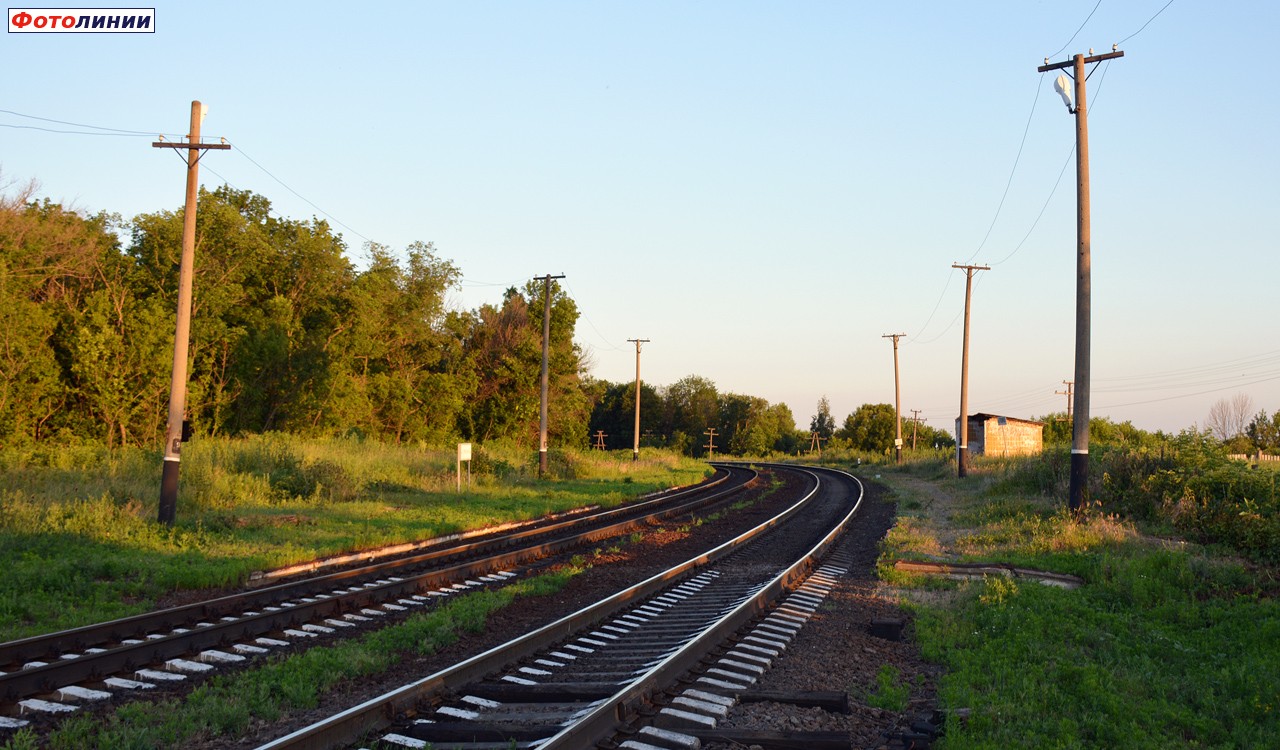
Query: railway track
x: 57, y: 672
x: 638, y: 669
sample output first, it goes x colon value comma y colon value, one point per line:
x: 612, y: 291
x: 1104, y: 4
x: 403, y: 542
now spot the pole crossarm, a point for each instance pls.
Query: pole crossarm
x: 1071, y: 61
x: 202, y: 146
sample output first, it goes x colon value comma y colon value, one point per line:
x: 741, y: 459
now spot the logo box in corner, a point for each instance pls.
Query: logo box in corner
x: 82, y: 20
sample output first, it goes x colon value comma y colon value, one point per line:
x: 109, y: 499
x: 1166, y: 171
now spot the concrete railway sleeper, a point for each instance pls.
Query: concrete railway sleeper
x: 648, y: 667
x: 57, y: 672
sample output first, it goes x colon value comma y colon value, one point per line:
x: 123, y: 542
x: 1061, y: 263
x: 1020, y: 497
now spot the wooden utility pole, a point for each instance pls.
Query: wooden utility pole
x: 1066, y: 393
x: 962, y: 442
x: 897, y: 396
x: 710, y: 432
x: 1080, y: 424
x: 635, y: 449
x: 173, y: 435
x: 915, y: 422
x: 600, y: 436
x: 815, y: 442
x: 546, y: 357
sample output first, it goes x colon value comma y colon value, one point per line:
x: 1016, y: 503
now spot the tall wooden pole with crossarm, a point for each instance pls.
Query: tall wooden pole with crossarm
x: 1080, y: 424
x: 173, y: 434
x: 635, y: 449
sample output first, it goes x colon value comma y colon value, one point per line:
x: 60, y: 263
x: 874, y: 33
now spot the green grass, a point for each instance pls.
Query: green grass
x: 79, y: 542
x: 1166, y: 645
x: 889, y: 693
x: 227, y: 705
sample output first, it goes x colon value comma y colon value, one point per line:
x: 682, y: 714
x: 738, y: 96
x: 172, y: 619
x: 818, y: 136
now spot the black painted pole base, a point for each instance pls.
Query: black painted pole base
x: 1079, y: 481
x: 169, y: 493
x: 962, y: 462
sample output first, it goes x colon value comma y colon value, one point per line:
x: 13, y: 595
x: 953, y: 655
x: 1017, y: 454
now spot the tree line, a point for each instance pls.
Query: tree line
x: 286, y: 333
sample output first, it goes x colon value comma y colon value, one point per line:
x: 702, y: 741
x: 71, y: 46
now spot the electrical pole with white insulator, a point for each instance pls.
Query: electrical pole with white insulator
x: 1074, y: 97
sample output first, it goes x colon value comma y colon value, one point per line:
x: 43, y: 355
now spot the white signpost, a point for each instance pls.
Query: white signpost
x: 464, y: 454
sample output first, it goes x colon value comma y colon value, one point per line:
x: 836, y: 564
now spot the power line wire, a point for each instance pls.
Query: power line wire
x: 152, y: 133
x: 69, y: 132
x: 1189, y: 395
x: 1149, y: 20
x: 1043, y: 208
x: 120, y: 131
x: 1073, y: 36
x: 603, y: 338
x: 936, y: 305
x: 1007, y: 186
x: 335, y: 219
x: 1009, y: 183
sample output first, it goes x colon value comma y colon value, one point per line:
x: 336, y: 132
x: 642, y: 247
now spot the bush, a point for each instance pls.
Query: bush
x: 320, y: 480
x: 1189, y: 484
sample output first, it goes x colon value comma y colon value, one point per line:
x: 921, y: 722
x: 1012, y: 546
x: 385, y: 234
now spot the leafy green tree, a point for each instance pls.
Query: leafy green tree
x: 927, y: 436
x: 119, y: 353
x: 692, y: 407
x: 1102, y: 431
x: 504, y: 349
x: 871, y: 427
x: 1264, y: 432
x: 391, y: 356
x: 51, y: 260
x: 823, y: 423
x: 614, y: 412
x: 268, y: 301
x: 568, y: 409
x: 754, y: 427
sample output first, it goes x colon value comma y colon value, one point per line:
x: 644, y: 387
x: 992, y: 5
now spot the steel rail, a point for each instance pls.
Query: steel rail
x: 54, y: 644
x: 604, y: 720
x: 61, y: 672
x: 380, y: 712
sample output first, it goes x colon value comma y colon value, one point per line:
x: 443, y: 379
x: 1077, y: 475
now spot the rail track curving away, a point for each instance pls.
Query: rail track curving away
x: 655, y: 659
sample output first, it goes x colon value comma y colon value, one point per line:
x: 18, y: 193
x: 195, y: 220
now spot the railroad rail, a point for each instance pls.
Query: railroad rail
x: 52, y: 672
x: 592, y: 677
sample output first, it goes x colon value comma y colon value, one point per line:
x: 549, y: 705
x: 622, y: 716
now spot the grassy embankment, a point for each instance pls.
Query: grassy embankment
x: 231, y: 704
x: 79, y: 542
x: 1169, y: 643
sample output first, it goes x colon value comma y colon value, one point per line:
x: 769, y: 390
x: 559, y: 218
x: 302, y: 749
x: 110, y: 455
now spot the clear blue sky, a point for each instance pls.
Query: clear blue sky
x: 762, y: 189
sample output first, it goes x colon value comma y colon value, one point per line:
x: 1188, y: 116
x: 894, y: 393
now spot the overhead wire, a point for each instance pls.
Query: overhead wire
x: 69, y: 132
x: 153, y: 133
x: 591, y: 323
x: 116, y: 131
x: 308, y: 201
x: 1189, y: 395
x: 1145, y: 25
x: 1009, y: 183
x: 1082, y: 25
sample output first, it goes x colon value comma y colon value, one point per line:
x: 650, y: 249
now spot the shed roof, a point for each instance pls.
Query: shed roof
x: 983, y: 416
